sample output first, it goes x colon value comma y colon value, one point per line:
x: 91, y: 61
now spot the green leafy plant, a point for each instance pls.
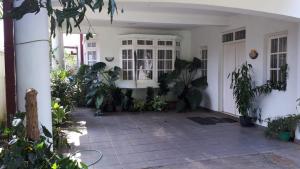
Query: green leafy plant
x: 80, y: 84
x: 127, y: 102
x: 186, y: 83
x: 60, y: 120
x: 71, y: 13
x: 245, y: 91
x: 158, y: 104
x: 282, y: 124
x: 62, y: 88
x: 149, y: 98
x: 163, y: 85
x: 102, y: 87
x: 22, y: 153
x: 138, y: 105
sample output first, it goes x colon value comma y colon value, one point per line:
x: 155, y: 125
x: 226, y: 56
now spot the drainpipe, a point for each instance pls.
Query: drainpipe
x: 33, y: 62
x: 9, y: 54
x: 81, y: 50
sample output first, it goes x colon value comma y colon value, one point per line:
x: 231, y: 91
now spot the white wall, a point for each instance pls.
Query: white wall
x: 275, y: 104
x: 210, y: 37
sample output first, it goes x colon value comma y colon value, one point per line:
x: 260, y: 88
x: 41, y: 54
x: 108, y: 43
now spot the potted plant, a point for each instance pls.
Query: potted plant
x: 241, y: 84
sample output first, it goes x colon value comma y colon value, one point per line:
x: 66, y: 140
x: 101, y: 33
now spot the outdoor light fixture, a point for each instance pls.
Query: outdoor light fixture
x: 109, y: 59
x: 253, y: 54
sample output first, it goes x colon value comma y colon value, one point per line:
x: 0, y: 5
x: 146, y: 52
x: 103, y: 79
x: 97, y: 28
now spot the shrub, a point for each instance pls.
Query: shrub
x: 282, y: 124
x: 127, y: 102
x: 149, y: 98
x: 23, y: 153
x: 158, y: 104
x: 62, y: 88
x: 138, y: 105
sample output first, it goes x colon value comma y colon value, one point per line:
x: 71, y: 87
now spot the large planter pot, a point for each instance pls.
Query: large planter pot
x: 284, y: 135
x: 246, y: 121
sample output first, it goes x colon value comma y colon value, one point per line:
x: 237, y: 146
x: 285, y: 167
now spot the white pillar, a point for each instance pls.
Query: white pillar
x: 33, y: 63
x: 298, y: 63
x: 58, y: 49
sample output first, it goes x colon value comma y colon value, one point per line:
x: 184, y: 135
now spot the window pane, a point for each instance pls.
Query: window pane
x: 124, y: 65
x: 129, y: 42
x: 282, y: 59
x: 161, y: 54
x: 273, y: 61
x: 141, y: 42
x: 169, y: 54
x: 240, y: 35
x: 177, y: 54
x: 129, y: 54
x: 140, y: 54
x: 124, y: 42
x: 124, y: 54
x: 140, y: 64
x: 130, y: 75
x: 274, y: 45
x: 283, y: 44
x: 177, y: 43
x: 161, y: 43
x: 160, y: 73
x: 149, y: 42
x: 168, y: 64
x: 273, y: 76
x: 130, y: 64
x: 169, y: 43
x: 160, y: 65
x: 228, y: 37
x: 125, y: 75
x: 149, y: 54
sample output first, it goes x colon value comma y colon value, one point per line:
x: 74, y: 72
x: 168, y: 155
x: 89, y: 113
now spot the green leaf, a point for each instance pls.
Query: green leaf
x: 99, y: 101
x: 199, y: 82
x: 46, y: 132
x: 54, y: 166
x: 178, y: 88
x: 100, y: 66
x: 180, y: 106
x: 194, y: 97
x: 88, y: 36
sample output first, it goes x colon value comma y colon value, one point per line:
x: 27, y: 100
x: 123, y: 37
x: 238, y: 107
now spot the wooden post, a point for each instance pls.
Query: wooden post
x: 32, y: 124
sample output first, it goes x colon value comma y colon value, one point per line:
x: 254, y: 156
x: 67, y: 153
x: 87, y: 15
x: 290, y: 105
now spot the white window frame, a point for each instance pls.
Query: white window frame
x: 132, y: 60
x: 203, y: 60
x: 91, y: 49
x: 135, y: 83
x: 270, y: 37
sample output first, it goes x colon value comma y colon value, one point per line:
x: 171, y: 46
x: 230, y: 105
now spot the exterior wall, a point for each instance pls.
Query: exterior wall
x: 210, y: 37
x: 275, y: 104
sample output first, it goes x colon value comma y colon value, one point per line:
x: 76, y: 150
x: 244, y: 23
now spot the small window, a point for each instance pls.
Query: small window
x: 169, y: 43
x: 228, y: 37
x: 92, y: 57
x: 161, y: 43
x: 149, y: 42
x: 239, y: 35
x: 127, y: 64
x: 178, y: 44
x: 203, y: 58
x: 91, y: 44
x: 277, y: 57
x: 140, y: 42
x: 164, y: 62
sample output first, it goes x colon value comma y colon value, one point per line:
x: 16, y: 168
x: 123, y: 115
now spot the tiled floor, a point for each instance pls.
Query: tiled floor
x: 171, y: 141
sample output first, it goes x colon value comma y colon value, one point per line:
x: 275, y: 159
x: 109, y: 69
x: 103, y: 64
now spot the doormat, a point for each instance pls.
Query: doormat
x: 211, y: 120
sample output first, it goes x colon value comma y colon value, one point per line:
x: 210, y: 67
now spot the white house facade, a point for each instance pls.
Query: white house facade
x: 221, y: 33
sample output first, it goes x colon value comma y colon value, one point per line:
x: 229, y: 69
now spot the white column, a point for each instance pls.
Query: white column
x: 298, y: 63
x: 33, y: 63
x: 58, y: 49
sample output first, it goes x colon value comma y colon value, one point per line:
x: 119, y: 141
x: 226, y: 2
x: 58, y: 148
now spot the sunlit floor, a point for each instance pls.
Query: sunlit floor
x: 172, y: 141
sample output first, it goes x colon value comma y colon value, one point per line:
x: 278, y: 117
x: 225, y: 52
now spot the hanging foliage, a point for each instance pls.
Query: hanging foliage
x: 69, y: 13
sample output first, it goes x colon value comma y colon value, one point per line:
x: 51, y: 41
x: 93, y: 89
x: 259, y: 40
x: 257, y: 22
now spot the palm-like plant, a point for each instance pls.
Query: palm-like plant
x: 187, y: 84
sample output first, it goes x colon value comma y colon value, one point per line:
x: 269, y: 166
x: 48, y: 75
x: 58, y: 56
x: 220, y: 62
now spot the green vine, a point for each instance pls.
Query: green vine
x: 70, y: 13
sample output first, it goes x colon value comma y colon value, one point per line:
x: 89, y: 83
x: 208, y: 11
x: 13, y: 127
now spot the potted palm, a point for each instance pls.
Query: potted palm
x: 241, y: 84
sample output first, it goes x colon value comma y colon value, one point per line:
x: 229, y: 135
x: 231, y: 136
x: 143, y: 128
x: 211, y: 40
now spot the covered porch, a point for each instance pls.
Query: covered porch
x: 172, y: 141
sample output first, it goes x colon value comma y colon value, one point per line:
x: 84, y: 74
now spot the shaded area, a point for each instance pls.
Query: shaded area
x: 211, y: 120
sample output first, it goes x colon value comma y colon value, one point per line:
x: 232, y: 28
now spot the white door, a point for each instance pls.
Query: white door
x: 234, y: 56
